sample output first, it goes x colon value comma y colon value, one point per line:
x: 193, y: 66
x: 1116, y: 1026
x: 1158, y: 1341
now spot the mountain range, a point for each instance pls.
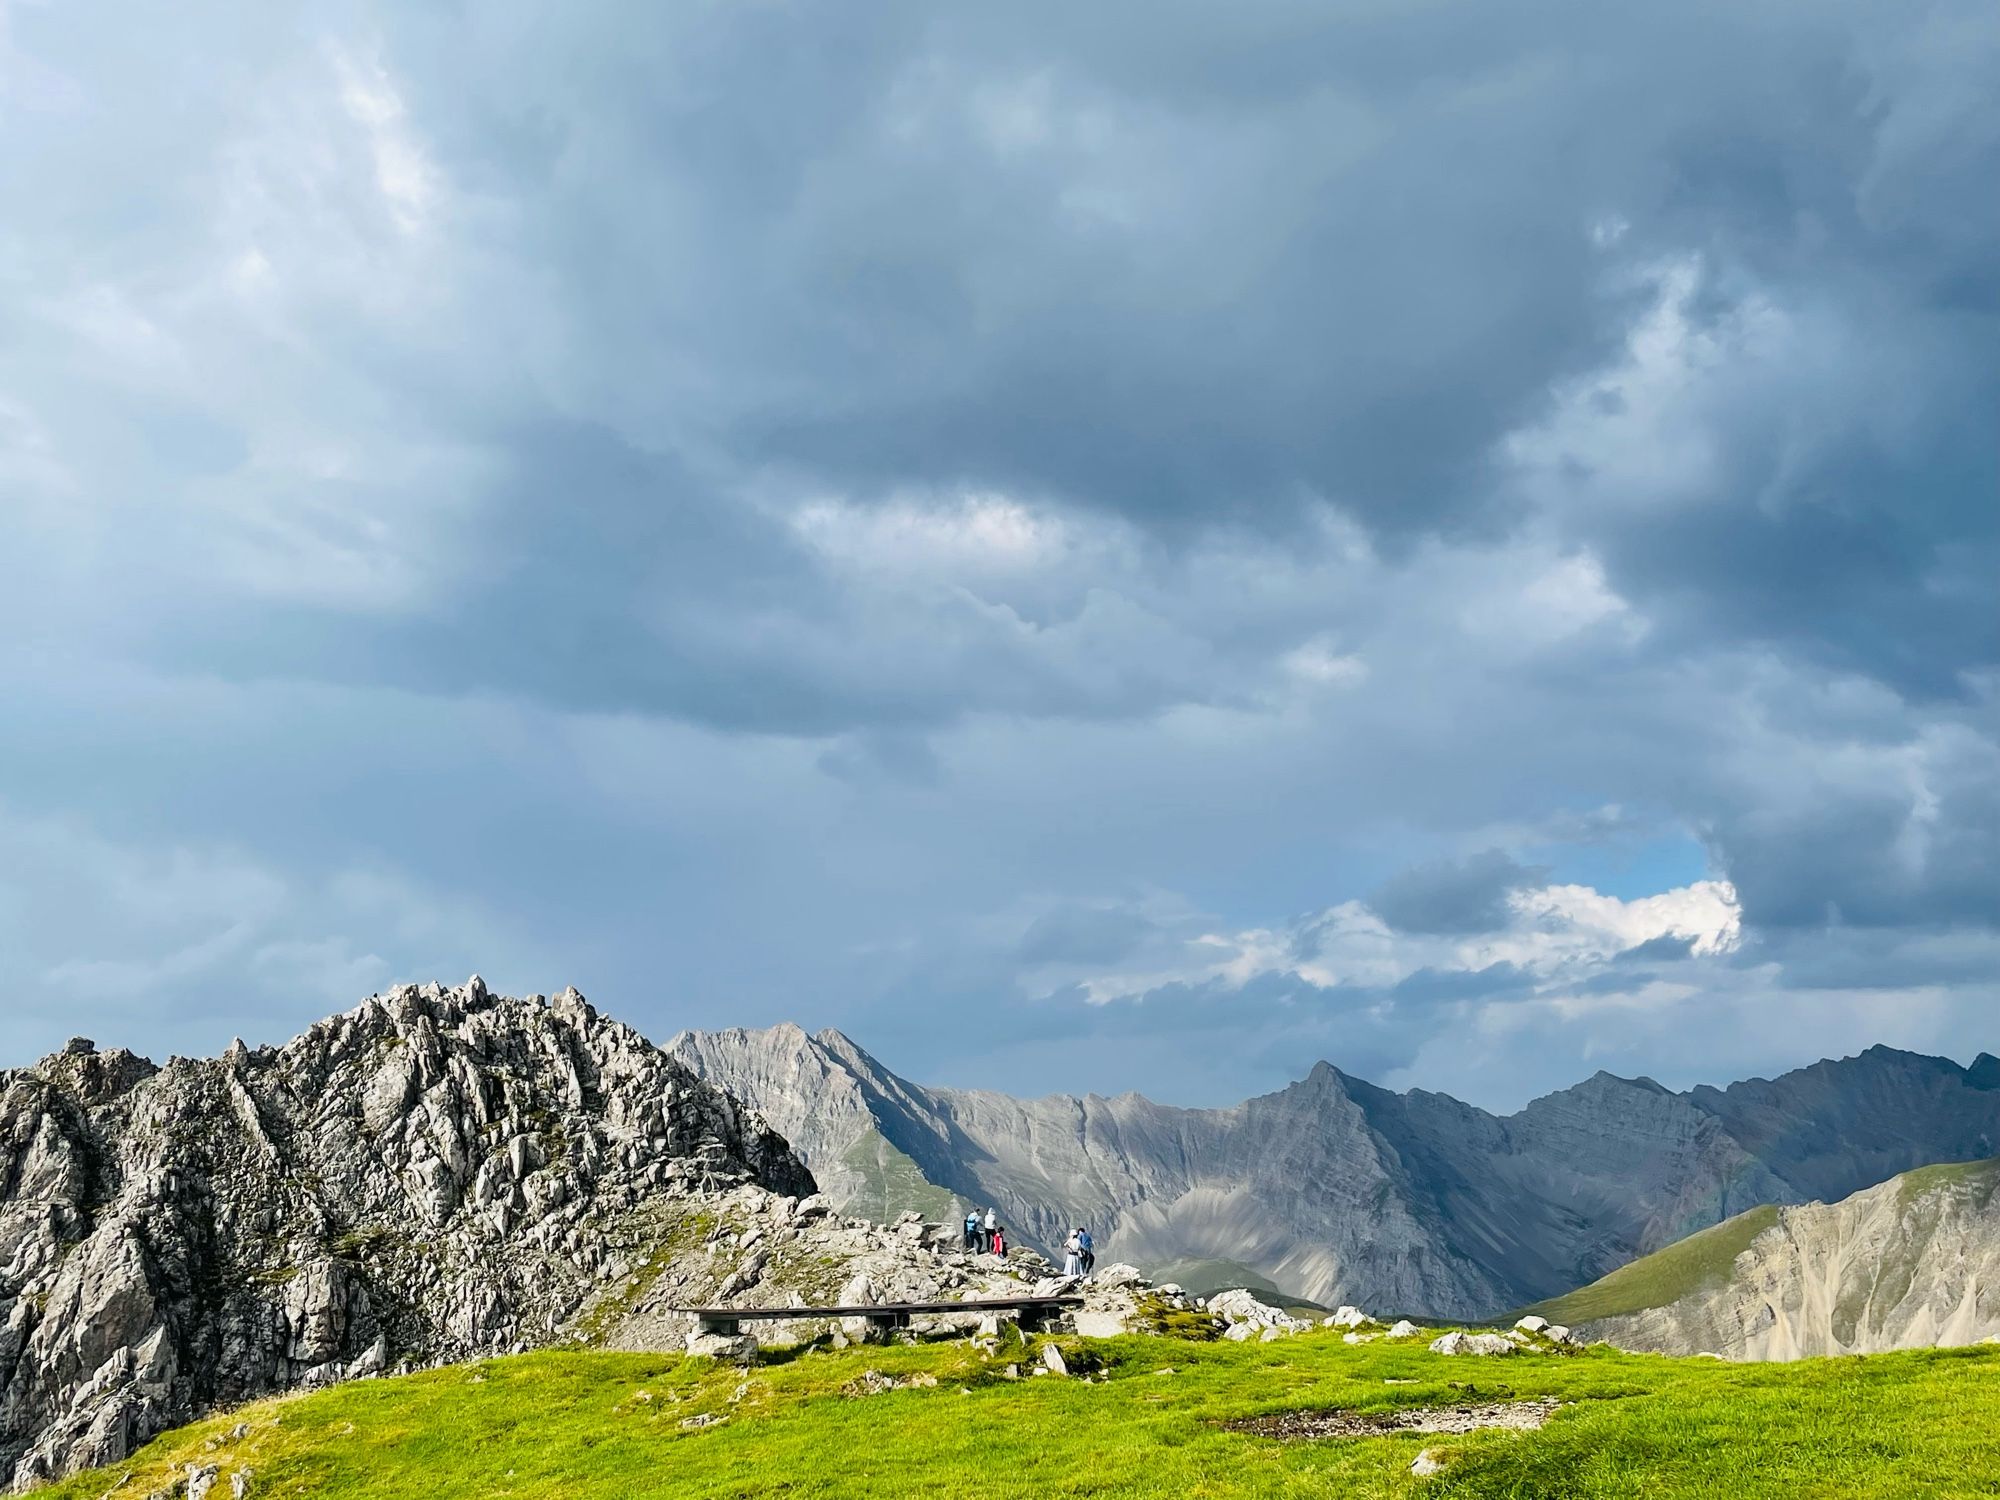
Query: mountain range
x: 1339, y: 1191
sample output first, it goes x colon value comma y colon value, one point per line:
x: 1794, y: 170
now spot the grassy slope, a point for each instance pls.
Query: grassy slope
x: 892, y: 1183
x: 1665, y: 1276
x: 573, y: 1427
x: 1979, y: 1177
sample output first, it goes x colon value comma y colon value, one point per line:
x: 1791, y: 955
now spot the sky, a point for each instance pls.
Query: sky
x: 1121, y: 546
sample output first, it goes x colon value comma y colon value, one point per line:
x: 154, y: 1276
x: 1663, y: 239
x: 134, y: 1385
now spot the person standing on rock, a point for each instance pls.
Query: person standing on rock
x: 992, y: 1228
x: 1086, y: 1253
x: 972, y: 1229
x: 1073, y: 1253
x: 999, y: 1242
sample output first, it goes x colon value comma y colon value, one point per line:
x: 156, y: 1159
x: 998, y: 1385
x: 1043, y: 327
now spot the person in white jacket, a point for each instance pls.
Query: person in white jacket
x: 992, y: 1223
x: 1073, y: 1254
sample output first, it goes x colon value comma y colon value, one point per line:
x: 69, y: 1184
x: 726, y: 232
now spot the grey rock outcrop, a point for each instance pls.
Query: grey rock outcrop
x: 1485, y: 1344
x: 1911, y: 1263
x: 1247, y: 1317
x: 1343, y: 1192
x: 759, y: 1249
x: 437, y: 1174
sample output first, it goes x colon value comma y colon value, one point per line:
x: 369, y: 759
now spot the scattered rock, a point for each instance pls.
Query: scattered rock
x: 1517, y: 1415
x: 1532, y: 1323
x: 1053, y: 1358
x: 1241, y: 1309
x: 1429, y: 1461
x: 1404, y: 1329
x: 703, y: 1419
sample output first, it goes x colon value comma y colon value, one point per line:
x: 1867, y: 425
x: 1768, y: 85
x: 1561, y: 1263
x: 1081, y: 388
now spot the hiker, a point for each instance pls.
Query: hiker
x: 1073, y: 1253
x: 1086, y: 1253
x: 972, y: 1229
x: 999, y: 1242
x: 992, y: 1228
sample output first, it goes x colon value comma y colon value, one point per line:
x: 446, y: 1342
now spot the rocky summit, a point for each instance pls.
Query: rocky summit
x: 437, y: 1174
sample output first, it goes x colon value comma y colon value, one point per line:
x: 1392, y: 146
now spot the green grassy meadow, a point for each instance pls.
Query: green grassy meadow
x: 1703, y: 1259
x: 567, y: 1426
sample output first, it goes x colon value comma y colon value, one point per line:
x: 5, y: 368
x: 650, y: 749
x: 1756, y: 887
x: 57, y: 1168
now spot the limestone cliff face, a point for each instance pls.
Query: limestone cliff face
x: 1344, y: 1192
x: 437, y: 1174
x: 1911, y: 1263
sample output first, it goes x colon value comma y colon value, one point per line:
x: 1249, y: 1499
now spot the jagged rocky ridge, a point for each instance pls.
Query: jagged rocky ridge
x: 1344, y: 1192
x: 1908, y: 1264
x: 434, y: 1175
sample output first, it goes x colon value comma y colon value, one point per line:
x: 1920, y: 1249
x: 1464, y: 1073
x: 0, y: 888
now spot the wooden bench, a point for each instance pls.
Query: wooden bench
x: 1031, y: 1312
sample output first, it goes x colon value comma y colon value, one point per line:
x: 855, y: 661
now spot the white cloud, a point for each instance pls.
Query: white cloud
x: 404, y: 175
x: 1318, y: 661
x: 1642, y: 433
x: 1556, y: 933
x: 926, y: 537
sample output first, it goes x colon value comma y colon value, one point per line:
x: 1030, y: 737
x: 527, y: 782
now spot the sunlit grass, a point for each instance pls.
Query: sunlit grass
x: 575, y: 1425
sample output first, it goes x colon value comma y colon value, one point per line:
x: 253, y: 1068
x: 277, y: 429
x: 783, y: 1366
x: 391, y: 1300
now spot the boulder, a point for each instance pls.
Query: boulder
x: 1460, y: 1342
x: 1404, y: 1329
x: 1532, y: 1323
x: 1118, y: 1275
x: 733, y: 1348
x: 1102, y: 1323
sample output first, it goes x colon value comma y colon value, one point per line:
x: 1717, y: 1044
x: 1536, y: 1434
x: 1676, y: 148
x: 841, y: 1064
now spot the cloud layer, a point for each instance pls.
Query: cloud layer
x: 961, y: 524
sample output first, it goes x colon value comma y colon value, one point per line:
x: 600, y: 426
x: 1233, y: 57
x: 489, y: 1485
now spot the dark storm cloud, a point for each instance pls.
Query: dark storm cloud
x: 1454, y: 896
x: 1195, y: 274
x: 1667, y: 945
